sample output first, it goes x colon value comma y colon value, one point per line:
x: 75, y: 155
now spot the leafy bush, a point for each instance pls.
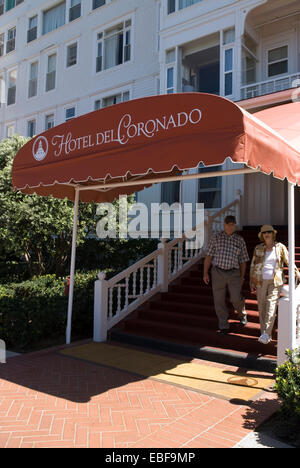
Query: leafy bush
x: 36, y: 310
x: 288, y: 384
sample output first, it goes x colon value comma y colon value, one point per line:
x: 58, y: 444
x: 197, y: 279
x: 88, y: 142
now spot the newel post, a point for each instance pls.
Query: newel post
x: 100, y: 308
x: 162, y: 266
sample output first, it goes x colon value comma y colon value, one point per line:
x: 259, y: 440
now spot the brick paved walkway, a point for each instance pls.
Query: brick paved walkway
x: 50, y: 400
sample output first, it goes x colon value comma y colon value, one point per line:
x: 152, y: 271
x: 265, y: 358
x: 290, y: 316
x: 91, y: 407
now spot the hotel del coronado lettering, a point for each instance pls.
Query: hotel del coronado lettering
x: 126, y: 131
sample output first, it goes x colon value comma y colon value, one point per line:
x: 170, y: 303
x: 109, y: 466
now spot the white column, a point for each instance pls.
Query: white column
x: 100, y: 308
x: 72, y: 268
x: 292, y: 296
x: 162, y: 267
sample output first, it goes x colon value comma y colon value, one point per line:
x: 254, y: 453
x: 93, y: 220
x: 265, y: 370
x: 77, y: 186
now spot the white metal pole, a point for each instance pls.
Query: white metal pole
x: 72, y: 268
x: 291, y: 229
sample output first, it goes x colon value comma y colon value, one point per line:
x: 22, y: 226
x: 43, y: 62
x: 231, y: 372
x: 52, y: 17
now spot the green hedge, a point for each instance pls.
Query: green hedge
x: 36, y: 310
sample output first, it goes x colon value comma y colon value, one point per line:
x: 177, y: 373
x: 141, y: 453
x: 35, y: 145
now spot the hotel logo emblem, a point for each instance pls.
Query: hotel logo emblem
x: 40, y: 148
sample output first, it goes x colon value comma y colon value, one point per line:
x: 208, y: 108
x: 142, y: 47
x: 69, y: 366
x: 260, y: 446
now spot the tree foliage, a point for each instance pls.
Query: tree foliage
x: 37, y: 229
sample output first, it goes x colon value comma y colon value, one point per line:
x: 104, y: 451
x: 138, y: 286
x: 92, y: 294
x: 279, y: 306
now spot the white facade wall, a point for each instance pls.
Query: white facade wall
x: 159, y: 41
x: 78, y: 85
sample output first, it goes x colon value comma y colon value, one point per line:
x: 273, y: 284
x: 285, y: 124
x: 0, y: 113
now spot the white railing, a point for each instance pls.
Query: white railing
x: 270, y: 86
x: 114, y: 299
x: 285, y: 337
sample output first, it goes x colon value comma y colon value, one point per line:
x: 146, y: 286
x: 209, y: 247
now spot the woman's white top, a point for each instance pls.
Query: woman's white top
x: 269, y: 265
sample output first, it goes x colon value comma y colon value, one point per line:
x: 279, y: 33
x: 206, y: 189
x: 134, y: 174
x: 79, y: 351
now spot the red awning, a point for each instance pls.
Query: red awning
x: 285, y: 120
x: 145, y: 138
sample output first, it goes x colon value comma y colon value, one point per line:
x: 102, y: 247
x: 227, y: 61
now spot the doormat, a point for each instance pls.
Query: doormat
x: 218, y: 381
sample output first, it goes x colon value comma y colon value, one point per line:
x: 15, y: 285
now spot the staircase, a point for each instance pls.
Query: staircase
x: 184, y: 317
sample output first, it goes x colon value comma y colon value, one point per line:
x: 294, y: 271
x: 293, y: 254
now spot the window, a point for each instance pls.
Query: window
x: 33, y: 79
x: 116, y: 99
x: 12, y: 87
x: 75, y: 10
x: 111, y: 100
x: 170, y: 80
x: 174, y: 5
x: 54, y: 18
x: 210, y: 189
x: 1, y: 7
x: 278, y: 61
x: 97, y: 104
x: 31, y: 128
x: 1, y: 44
x: 171, y: 6
x: 98, y: 3
x: 11, y: 40
x: 49, y: 121
x: 72, y: 55
x: 114, y: 46
x: 170, y: 192
x: 70, y: 113
x: 51, y: 72
x: 32, y: 29
x: 228, y: 72
x: 12, y: 3
x: 10, y: 130
x: 170, y: 59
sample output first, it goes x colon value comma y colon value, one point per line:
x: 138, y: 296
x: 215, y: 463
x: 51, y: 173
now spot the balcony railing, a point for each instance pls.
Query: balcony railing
x: 270, y: 86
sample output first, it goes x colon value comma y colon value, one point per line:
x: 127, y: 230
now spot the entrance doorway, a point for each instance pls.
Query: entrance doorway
x: 209, y: 78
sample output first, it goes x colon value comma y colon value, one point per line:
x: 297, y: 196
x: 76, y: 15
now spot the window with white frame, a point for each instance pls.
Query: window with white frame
x: 278, y: 61
x: 12, y: 87
x: 33, y: 79
x: 111, y: 100
x: 228, y: 38
x: 49, y: 121
x: 174, y: 5
x: 114, y: 46
x: 31, y: 128
x: 210, y: 189
x: 54, y: 18
x: 2, y: 91
x: 72, y: 54
x: 12, y: 3
x: 11, y: 40
x: 2, y: 39
x: 75, y: 10
x: 32, y: 28
x: 51, y: 72
x: 70, y: 113
x: 98, y: 3
x: 10, y: 130
x: 170, y: 71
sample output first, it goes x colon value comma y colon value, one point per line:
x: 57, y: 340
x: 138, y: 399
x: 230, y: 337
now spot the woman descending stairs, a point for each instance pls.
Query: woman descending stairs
x: 185, y: 315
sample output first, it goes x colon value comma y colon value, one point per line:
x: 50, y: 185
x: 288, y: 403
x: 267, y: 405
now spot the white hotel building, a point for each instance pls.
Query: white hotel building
x: 60, y: 59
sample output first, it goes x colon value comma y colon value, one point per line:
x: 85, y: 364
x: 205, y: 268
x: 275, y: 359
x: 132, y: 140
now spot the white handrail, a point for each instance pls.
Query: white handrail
x: 125, y: 292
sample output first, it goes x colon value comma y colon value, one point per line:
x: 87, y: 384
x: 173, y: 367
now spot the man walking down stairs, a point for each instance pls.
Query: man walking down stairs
x: 227, y: 253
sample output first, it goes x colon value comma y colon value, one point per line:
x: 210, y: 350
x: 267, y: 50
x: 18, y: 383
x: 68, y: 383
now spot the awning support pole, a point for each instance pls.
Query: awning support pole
x: 291, y: 229
x: 72, y: 268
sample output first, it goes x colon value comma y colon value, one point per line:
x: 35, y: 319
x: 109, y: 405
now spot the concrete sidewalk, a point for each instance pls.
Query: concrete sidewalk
x: 48, y: 399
